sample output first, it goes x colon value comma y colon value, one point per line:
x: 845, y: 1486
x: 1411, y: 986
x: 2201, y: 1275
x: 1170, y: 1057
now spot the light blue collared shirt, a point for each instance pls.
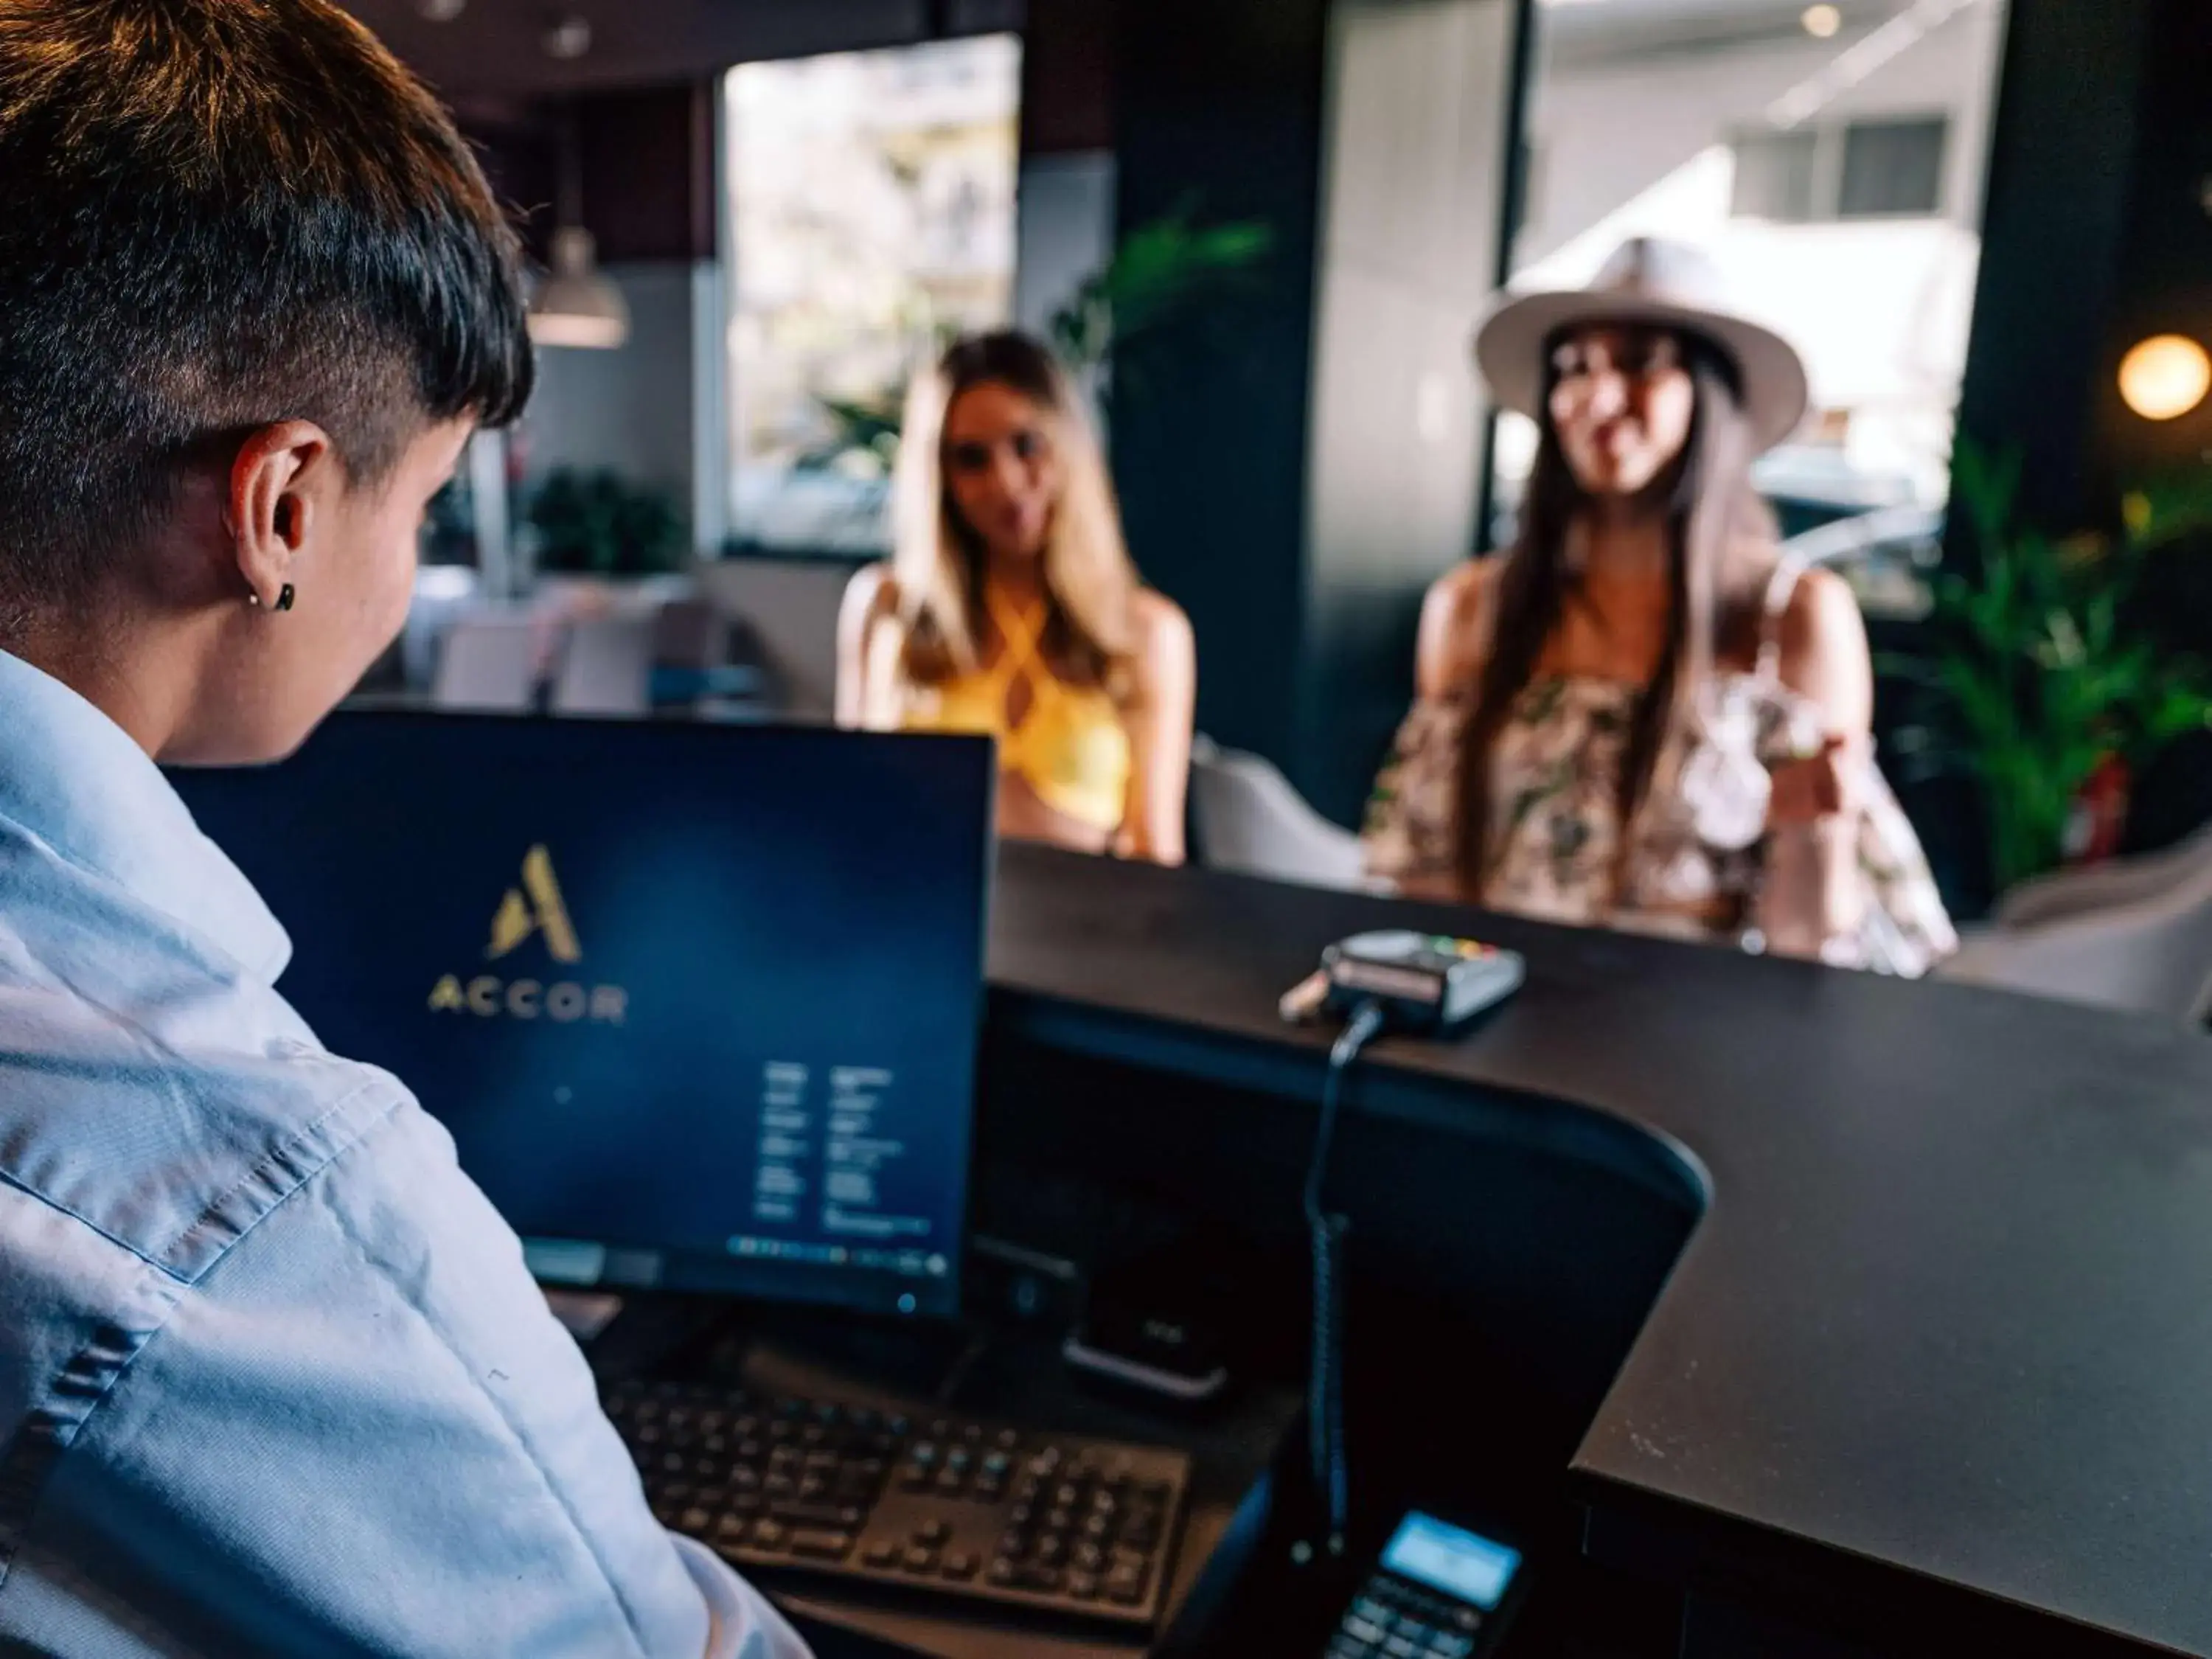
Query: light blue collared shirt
x: 273, y: 1380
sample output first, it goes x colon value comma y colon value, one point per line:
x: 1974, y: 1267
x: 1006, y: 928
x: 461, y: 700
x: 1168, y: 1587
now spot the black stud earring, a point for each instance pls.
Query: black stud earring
x: 284, y: 597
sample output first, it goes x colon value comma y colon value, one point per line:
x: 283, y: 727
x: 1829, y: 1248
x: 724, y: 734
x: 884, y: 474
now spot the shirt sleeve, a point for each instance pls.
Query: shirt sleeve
x: 361, y: 1432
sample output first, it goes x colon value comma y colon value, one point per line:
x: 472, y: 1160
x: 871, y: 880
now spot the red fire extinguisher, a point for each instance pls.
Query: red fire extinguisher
x: 2099, y: 813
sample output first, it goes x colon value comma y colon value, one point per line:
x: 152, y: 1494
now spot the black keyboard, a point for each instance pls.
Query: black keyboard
x: 916, y: 1499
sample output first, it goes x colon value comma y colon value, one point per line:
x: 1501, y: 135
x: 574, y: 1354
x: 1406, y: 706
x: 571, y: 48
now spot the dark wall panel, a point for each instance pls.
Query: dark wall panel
x: 1219, y: 107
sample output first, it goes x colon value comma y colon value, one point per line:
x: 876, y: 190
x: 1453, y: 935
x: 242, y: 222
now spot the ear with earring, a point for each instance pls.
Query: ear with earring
x: 285, y: 595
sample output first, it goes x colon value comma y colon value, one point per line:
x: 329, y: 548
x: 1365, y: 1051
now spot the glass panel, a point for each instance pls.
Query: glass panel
x: 1831, y: 160
x: 871, y: 207
x: 1774, y: 176
x: 1893, y: 167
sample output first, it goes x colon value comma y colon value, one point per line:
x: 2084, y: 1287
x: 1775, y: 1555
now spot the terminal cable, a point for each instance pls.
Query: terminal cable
x: 1325, y: 1379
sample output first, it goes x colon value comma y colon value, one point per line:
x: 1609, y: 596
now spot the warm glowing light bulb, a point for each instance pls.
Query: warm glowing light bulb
x: 2166, y: 376
x: 1822, y: 21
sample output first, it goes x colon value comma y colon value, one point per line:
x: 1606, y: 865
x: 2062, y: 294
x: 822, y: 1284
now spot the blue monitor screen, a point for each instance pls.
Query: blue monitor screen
x: 699, y: 1005
x: 1462, y: 1565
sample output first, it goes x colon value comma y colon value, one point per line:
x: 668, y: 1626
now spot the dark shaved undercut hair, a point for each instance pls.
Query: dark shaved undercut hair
x: 216, y: 214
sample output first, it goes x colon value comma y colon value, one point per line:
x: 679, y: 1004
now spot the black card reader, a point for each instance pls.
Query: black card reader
x: 1424, y: 982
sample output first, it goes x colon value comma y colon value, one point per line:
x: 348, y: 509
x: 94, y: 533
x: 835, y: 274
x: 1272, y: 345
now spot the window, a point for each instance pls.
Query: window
x: 1774, y: 176
x: 870, y: 215
x: 1893, y: 167
x: 1885, y: 169
x: 1835, y: 179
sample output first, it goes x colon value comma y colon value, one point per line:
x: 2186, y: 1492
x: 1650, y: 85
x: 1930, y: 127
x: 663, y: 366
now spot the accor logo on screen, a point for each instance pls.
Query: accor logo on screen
x: 533, y: 910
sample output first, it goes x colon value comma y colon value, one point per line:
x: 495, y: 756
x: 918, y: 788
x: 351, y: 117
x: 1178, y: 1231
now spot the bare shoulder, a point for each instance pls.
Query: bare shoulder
x: 1158, y: 624
x: 1454, y: 625
x: 1824, y: 648
x: 1463, y: 592
x: 1162, y: 635
x: 872, y: 592
x: 1822, y: 617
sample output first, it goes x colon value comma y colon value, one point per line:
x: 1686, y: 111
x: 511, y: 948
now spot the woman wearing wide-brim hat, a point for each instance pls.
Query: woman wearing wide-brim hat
x: 1641, y: 714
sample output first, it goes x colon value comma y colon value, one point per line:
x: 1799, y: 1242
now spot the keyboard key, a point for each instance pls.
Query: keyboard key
x: 799, y: 1513
x: 932, y: 1532
x: 695, y: 1520
x: 768, y: 1534
x: 821, y: 1543
x: 1045, y: 1581
x: 1400, y: 1647
x: 1083, y: 1586
x: 920, y: 1559
x: 1126, y: 1585
x: 960, y: 1564
x: 1003, y: 1572
x: 881, y: 1555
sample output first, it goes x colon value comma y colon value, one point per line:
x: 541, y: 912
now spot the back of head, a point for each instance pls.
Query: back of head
x: 216, y: 214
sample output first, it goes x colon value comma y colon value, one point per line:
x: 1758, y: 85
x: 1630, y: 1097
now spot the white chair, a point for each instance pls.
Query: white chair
x: 606, y: 668
x: 489, y: 663
x: 791, y: 607
x: 1247, y: 818
x: 2135, y: 933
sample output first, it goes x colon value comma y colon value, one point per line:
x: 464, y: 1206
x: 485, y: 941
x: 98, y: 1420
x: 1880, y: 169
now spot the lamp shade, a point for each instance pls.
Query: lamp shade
x: 574, y: 305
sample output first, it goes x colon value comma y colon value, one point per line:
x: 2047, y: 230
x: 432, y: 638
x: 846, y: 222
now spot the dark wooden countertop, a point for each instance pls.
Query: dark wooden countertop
x: 1948, y: 1310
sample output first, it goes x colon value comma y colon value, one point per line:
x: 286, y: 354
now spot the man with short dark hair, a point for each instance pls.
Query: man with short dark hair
x: 273, y: 1379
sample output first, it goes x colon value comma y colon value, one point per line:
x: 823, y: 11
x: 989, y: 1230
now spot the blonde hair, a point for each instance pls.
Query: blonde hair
x: 938, y: 563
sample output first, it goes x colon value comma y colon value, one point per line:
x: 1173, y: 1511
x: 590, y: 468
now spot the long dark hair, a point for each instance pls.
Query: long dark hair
x: 1712, y: 513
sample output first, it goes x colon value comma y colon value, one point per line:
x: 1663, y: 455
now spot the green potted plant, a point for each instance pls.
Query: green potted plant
x: 1159, y: 273
x: 593, y: 525
x: 2040, y: 681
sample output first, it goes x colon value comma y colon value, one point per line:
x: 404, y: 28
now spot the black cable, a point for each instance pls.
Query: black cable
x: 1325, y: 1378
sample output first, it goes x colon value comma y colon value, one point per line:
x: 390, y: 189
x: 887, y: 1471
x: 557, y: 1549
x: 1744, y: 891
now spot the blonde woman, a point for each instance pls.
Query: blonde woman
x: 1010, y: 607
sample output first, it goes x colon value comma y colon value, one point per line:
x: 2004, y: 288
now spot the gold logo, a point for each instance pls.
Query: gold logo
x: 535, y: 909
x: 541, y: 911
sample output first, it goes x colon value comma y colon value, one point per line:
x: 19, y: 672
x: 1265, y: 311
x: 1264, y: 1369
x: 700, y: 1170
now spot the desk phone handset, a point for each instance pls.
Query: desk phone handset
x: 1437, y: 1592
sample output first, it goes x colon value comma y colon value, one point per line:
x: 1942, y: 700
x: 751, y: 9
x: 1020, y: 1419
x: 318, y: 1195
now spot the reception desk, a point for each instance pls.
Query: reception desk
x: 1929, y: 1345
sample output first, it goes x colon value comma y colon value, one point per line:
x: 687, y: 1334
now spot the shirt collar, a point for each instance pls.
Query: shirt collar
x: 77, y: 780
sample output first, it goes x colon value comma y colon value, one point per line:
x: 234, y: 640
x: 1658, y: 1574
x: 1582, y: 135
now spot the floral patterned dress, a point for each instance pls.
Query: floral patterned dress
x: 1695, y: 872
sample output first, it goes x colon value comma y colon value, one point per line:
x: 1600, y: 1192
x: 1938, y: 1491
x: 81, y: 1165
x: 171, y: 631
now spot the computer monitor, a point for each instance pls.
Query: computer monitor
x: 700, y: 1005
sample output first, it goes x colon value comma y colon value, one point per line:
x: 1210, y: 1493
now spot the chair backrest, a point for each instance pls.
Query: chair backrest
x: 607, y: 667
x: 488, y: 664
x: 2152, y: 953
x: 791, y: 607
x: 1247, y: 818
x: 690, y: 633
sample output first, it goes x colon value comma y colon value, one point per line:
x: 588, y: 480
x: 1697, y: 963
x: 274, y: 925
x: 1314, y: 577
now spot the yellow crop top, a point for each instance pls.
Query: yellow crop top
x: 1069, y: 746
